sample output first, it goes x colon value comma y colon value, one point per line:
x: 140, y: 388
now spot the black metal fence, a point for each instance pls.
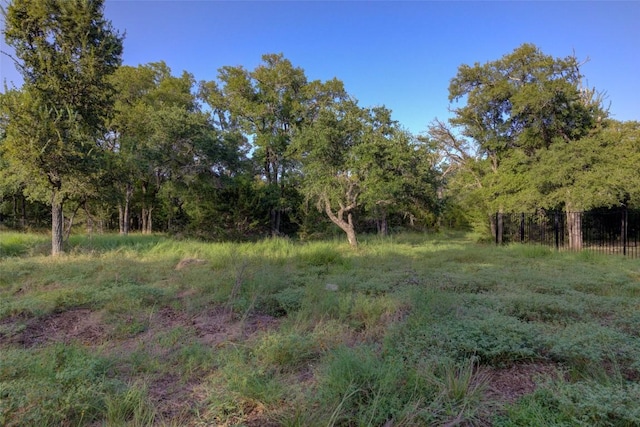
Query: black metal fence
x: 611, y: 231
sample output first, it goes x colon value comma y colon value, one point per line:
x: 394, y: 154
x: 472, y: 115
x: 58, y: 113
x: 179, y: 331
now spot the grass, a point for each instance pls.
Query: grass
x: 407, y: 331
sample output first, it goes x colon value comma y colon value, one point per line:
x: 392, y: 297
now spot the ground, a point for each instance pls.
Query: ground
x: 171, y: 395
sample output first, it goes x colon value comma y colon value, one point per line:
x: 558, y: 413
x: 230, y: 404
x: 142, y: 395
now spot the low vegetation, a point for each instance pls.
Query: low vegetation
x: 411, y: 330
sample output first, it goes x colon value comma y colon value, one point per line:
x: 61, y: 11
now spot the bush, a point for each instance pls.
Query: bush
x: 443, y: 325
x: 580, y: 404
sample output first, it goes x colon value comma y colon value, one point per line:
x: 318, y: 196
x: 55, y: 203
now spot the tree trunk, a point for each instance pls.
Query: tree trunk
x: 383, y: 227
x: 125, y: 219
x: 57, y: 227
x: 23, y: 217
x: 147, y: 223
x: 338, y: 219
x: 143, y: 219
x: 275, y: 219
x: 351, y: 232
x: 67, y: 233
x: 89, y: 219
x: 126, y: 214
x: 120, y: 218
x: 497, y: 227
x: 574, y: 225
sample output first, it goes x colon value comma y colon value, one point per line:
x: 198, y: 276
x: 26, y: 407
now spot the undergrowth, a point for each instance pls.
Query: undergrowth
x: 405, y: 331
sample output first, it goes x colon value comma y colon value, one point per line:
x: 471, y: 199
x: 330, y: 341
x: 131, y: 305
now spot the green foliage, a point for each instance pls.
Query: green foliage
x: 246, y: 380
x: 403, y: 330
x: 290, y: 299
x: 285, y: 350
x: 531, y: 136
x: 16, y: 244
x: 320, y: 255
x: 358, y: 386
x: 56, y: 385
x: 354, y: 158
x: 592, y: 403
x: 459, y: 330
x: 588, y: 346
x: 66, y: 52
x: 586, y: 403
x: 130, y: 407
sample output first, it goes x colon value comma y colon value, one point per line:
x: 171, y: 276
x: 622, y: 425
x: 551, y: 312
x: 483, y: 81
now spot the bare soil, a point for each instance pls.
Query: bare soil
x: 173, y: 396
x: 506, y: 385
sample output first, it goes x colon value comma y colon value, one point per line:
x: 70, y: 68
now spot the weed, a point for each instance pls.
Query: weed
x: 587, y: 347
x: 14, y: 244
x: 360, y: 386
x: 57, y: 385
x: 398, y: 332
x: 586, y: 403
x: 284, y: 350
x: 194, y: 358
x: 240, y: 385
x: 130, y: 407
x: 450, y: 326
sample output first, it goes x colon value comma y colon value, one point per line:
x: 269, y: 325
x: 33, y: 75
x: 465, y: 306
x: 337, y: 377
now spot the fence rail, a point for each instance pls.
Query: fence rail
x: 611, y: 231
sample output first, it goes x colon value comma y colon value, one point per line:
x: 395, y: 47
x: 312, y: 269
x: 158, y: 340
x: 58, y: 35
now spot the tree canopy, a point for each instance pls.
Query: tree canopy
x: 267, y: 151
x: 66, y: 52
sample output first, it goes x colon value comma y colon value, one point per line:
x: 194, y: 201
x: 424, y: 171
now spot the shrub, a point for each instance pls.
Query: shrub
x: 445, y: 325
x: 585, y: 404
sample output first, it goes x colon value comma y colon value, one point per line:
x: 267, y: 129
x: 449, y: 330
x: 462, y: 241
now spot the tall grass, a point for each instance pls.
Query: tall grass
x: 401, y: 331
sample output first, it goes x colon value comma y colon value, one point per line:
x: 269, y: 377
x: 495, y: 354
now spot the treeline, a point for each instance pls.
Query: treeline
x: 530, y: 136
x: 253, y: 153
x: 263, y: 152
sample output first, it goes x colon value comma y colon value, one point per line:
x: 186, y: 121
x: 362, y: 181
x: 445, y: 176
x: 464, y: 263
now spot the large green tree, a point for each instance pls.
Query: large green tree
x: 65, y: 52
x: 600, y: 170
x: 266, y: 103
x: 515, y: 108
x: 395, y: 169
x: 159, y: 140
x: 269, y: 105
x: 325, y: 149
x: 359, y: 160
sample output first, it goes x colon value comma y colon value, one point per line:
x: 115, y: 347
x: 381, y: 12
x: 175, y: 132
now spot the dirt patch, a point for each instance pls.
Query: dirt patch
x: 506, y: 385
x: 173, y: 396
x: 77, y: 325
x: 189, y: 261
x: 217, y: 326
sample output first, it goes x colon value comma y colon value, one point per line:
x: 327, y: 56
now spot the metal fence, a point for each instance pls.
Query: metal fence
x: 611, y: 231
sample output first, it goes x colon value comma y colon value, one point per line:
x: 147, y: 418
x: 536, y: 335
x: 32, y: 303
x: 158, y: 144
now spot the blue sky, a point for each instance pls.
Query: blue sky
x: 393, y: 53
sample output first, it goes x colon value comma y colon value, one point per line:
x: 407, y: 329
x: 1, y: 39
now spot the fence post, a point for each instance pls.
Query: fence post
x: 556, y: 229
x: 497, y: 229
x: 522, y: 227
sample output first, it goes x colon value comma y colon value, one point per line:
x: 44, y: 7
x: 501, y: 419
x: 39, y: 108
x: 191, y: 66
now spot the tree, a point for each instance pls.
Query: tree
x: 599, y: 170
x: 353, y: 159
x: 516, y: 107
x: 269, y: 105
x: 66, y: 51
x: 396, y: 171
x: 158, y: 136
x: 325, y: 149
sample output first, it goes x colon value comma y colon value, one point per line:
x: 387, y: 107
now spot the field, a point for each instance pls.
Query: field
x: 412, y: 330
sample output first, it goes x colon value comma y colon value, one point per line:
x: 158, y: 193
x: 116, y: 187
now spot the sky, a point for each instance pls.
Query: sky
x: 400, y: 54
